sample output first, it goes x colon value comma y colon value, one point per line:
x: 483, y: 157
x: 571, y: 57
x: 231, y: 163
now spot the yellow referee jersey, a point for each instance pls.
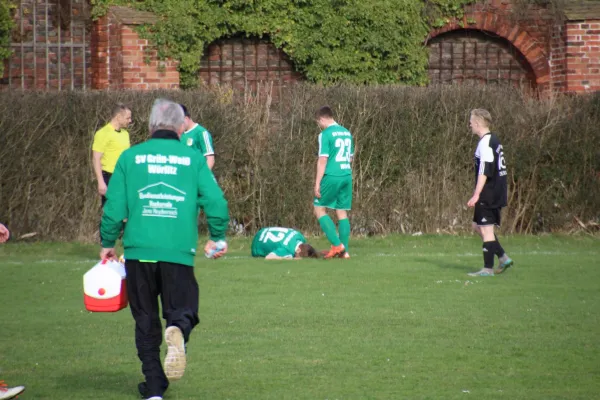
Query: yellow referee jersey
x: 111, y: 144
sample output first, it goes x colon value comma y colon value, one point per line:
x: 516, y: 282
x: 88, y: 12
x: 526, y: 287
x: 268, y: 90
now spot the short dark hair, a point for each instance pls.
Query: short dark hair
x: 118, y: 109
x: 324, y: 111
x: 307, y: 251
x: 186, y: 113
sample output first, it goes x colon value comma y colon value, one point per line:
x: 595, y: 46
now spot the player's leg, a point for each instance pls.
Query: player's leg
x: 328, y: 200
x: 143, y: 291
x: 344, y: 230
x: 504, y: 260
x: 180, y: 298
x: 476, y: 229
x: 344, y: 204
x: 484, y: 220
x: 327, y: 225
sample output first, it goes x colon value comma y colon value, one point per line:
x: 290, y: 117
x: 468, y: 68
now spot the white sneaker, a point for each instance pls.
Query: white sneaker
x: 154, y: 398
x: 175, y: 360
x: 482, y: 272
x: 10, y: 393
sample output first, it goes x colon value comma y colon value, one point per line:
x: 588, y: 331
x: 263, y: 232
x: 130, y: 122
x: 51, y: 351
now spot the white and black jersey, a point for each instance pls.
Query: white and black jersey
x: 489, y: 161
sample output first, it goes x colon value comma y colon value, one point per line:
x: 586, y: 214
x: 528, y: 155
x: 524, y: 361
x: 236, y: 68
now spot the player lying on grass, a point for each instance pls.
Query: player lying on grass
x: 281, y: 244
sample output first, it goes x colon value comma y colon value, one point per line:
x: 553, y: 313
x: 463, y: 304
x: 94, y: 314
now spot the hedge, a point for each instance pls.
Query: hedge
x: 412, y: 171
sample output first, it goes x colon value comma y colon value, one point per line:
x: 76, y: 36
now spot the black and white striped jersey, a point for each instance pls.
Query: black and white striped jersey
x: 489, y: 161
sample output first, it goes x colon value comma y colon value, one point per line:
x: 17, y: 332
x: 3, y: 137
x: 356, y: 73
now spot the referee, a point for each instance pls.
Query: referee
x: 109, y: 143
x: 490, y: 192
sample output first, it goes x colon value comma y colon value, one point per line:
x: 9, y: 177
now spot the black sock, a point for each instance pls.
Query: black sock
x: 488, y: 254
x: 498, y: 250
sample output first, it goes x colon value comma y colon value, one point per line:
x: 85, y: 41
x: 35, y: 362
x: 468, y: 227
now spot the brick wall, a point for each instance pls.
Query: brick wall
x: 582, y: 56
x: 119, y: 55
x: 56, y: 46
x: 563, y: 52
x: 243, y: 63
x: 530, y: 37
x: 557, y: 59
x: 50, y: 45
x: 471, y: 56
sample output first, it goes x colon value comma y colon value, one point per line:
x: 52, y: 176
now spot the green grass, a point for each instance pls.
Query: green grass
x: 400, y: 320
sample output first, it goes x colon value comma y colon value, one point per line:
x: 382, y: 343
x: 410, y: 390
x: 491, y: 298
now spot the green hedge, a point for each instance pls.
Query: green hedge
x: 413, y: 169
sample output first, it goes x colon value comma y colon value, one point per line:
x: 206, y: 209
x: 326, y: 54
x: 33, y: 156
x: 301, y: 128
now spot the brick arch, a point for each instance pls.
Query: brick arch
x: 500, y: 26
x: 244, y: 63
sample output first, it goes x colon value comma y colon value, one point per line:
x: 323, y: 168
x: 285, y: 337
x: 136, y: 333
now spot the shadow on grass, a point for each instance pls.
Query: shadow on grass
x: 463, y: 267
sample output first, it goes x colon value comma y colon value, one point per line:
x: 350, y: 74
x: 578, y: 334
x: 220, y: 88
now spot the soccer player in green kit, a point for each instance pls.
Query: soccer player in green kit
x: 333, y: 183
x: 197, y: 137
x: 276, y: 243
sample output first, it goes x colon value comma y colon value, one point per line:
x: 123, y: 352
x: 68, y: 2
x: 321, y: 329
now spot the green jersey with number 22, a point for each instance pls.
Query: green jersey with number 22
x: 336, y: 143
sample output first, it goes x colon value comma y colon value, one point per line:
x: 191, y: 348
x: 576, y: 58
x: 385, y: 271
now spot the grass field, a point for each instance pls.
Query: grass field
x: 400, y: 320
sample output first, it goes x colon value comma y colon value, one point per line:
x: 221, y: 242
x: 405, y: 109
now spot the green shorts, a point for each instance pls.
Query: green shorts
x: 336, y: 192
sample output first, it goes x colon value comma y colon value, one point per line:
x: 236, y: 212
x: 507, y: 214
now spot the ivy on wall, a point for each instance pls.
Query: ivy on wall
x: 329, y: 41
x: 6, y: 27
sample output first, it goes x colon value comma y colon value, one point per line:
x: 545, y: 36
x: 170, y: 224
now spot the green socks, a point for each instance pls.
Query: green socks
x: 328, y: 227
x: 344, y: 228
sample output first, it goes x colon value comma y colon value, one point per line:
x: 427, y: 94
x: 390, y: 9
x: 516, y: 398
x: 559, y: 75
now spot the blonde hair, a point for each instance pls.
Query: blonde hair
x: 483, y: 115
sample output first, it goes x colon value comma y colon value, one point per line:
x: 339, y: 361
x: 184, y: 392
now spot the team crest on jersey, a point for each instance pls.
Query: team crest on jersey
x: 190, y: 141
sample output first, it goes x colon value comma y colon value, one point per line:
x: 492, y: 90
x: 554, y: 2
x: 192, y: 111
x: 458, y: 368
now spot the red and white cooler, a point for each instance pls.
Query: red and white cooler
x: 104, y: 288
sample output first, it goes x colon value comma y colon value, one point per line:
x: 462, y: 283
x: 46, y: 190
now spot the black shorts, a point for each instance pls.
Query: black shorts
x: 486, y: 216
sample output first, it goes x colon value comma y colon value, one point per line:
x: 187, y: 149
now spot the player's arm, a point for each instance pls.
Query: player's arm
x: 210, y: 161
x: 481, y: 179
x: 98, y: 148
x: 273, y: 256
x: 280, y: 253
x: 486, y: 166
x: 115, y: 209
x: 321, y: 163
x: 206, y: 147
x: 96, y: 161
x: 212, y: 201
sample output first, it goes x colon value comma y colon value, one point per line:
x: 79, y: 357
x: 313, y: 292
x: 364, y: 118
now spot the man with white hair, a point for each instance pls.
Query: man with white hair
x: 158, y: 186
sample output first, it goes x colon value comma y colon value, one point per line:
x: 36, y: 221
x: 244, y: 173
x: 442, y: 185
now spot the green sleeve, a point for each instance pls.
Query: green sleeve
x: 212, y: 201
x: 323, y: 145
x: 283, y: 252
x: 205, y: 143
x: 198, y: 140
x: 115, y: 208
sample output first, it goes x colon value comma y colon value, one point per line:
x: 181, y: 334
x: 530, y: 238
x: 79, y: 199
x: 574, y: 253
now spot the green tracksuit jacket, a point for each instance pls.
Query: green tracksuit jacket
x: 159, y: 187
